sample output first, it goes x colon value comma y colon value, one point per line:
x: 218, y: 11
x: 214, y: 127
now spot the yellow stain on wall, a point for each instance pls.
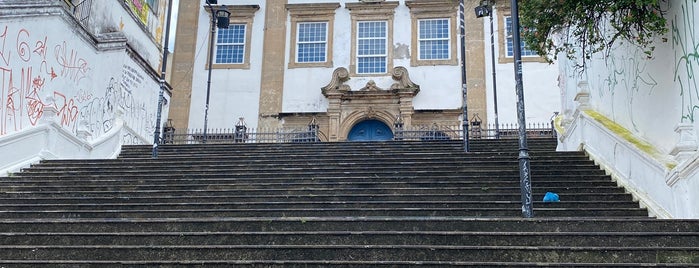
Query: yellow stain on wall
x: 121, y: 24
x: 628, y: 136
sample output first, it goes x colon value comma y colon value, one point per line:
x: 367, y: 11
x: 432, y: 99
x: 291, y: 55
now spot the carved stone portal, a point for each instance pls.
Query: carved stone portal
x: 348, y: 106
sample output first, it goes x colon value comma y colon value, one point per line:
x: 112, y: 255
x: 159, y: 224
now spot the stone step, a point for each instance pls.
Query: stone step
x: 344, y: 167
x: 311, y: 160
x: 185, y: 204
x: 373, y: 150
x: 319, y: 263
x: 544, y: 179
x: 335, y: 153
x: 233, y: 190
x: 219, y: 197
x: 329, y: 171
x: 452, y: 238
x: 349, y: 165
x: 327, y: 212
x: 360, y: 252
x: 532, y: 144
x: 26, y: 184
x: 290, y: 224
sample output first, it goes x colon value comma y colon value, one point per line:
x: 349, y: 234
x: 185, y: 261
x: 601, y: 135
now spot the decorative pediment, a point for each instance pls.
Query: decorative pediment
x: 402, y: 84
x: 339, y: 77
x: 371, y: 86
x: 400, y: 74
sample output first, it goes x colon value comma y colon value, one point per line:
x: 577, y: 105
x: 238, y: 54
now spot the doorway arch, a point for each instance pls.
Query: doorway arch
x: 370, y: 130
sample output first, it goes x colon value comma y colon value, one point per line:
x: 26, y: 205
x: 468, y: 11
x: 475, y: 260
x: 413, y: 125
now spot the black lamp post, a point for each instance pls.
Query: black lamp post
x: 161, y: 98
x: 464, y: 91
x: 524, y: 165
x: 219, y: 18
x: 486, y: 9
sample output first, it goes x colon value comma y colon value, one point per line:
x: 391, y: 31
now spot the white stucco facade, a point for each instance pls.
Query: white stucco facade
x: 236, y: 92
x: 64, y: 87
x: 540, y: 80
x: 636, y: 115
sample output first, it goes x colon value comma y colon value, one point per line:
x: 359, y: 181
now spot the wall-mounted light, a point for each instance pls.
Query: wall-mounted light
x: 223, y: 18
x: 484, y: 9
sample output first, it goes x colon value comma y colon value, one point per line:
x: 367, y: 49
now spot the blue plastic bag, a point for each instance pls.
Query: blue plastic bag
x: 551, y: 197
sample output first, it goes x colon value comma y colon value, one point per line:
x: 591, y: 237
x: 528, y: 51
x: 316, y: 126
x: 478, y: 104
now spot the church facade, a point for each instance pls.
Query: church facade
x: 349, y: 66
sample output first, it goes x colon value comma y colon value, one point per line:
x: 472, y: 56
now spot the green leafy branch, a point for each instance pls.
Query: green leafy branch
x: 581, y: 28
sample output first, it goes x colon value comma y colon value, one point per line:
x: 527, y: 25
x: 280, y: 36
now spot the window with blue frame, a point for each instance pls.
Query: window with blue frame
x: 433, y: 39
x: 509, y: 46
x: 230, y: 45
x: 372, y: 50
x: 312, y: 42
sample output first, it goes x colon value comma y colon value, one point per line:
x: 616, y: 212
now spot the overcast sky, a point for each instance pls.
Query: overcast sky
x: 173, y: 25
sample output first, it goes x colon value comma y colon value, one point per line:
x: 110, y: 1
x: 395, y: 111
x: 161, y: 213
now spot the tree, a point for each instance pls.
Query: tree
x: 581, y: 28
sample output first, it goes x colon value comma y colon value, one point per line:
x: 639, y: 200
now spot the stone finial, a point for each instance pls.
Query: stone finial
x: 339, y: 77
x: 686, y: 144
x: 583, y: 95
x: 83, y: 131
x: 371, y: 86
x: 400, y: 74
x: 49, y: 112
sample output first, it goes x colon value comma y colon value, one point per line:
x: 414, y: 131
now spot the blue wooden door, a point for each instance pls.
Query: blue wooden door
x: 370, y: 130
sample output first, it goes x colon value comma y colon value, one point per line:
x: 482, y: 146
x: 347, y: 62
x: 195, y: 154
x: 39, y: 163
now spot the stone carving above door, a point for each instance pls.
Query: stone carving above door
x: 399, y: 74
x: 350, y: 103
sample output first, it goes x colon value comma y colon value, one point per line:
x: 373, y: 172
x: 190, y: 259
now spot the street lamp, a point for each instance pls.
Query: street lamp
x: 219, y: 18
x: 161, y: 98
x: 464, y: 91
x: 486, y: 9
x: 525, y: 182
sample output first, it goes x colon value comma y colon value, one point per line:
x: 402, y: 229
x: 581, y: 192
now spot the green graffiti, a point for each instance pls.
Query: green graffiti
x: 686, y: 48
x: 628, y: 72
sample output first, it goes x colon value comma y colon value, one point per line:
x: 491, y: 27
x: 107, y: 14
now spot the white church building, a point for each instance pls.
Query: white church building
x: 350, y: 66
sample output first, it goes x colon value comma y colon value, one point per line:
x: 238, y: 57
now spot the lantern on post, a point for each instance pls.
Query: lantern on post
x: 241, y: 129
x: 219, y: 18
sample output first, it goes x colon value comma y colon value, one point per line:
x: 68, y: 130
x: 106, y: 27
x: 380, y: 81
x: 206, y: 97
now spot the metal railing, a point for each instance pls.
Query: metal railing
x: 504, y: 131
x: 312, y: 134
x: 246, y: 135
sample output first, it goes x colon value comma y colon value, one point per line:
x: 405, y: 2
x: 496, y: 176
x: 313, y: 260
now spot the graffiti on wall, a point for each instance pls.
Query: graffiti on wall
x: 27, y: 72
x: 628, y: 72
x: 686, y: 46
x: 37, y: 72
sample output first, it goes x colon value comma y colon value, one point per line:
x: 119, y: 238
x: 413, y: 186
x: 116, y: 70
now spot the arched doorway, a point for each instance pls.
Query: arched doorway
x: 370, y: 130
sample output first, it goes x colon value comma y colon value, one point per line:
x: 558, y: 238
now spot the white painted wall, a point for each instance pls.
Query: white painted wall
x: 440, y: 85
x: 649, y: 98
x: 234, y: 93
x: 540, y: 82
x: 111, y: 16
x: 54, y: 75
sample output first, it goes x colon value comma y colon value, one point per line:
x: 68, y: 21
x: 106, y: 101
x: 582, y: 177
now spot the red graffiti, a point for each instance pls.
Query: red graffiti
x: 40, y: 49
x: 73, y: 67
x: 67, y: 110
x: 22, y: 46
x: 4, y: 55
x: 35, y: 107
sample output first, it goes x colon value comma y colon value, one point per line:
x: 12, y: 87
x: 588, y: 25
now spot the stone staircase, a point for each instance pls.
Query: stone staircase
x: 380, y: 204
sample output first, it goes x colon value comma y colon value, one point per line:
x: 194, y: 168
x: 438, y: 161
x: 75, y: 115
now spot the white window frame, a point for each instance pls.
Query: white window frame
x: 365, y: 12
x: 311, y: 13
x: 421, y: 10
x: 218, y: 43
x: 421, y: 40
x: 299, y: 42
x: 240, y: 14
x: 385, y: 46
